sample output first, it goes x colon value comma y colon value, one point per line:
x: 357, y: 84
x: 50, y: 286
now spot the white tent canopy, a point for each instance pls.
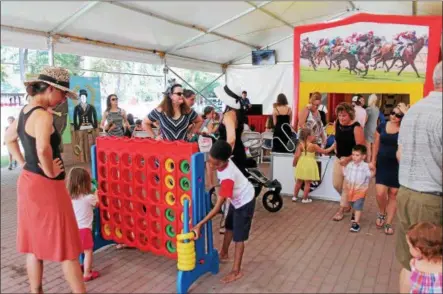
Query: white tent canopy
x: 203, y: 35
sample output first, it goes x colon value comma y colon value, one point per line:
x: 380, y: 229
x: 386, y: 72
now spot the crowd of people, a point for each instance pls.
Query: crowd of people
x: 404, y: 154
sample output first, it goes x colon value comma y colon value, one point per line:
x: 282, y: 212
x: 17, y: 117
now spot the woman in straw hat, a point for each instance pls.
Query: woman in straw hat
x: 46, y: 225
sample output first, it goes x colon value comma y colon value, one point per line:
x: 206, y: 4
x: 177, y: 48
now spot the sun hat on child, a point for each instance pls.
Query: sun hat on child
x: 57, y: 77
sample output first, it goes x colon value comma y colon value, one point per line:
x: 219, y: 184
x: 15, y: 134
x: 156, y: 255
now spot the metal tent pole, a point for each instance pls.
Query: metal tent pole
x: 190, y: 86
x: 51, y: 50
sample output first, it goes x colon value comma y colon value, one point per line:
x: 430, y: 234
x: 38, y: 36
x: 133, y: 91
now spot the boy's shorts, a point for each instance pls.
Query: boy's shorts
x: 358, y: 204
x: 239, y: 221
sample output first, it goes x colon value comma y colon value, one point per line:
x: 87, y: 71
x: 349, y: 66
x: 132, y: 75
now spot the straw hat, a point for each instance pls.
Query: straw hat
x: 229, y: 97
x: 57, y: 77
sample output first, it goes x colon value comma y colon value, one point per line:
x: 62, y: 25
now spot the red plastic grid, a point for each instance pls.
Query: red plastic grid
x: 135, y: 182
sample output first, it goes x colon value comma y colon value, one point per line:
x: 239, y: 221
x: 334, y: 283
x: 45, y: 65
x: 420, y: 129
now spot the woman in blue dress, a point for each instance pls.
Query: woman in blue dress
x: 384, y: 160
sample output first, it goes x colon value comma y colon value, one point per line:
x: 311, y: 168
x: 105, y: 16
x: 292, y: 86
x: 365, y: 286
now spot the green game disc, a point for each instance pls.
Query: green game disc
x: 169, y: 214
x: 170, y: 231
x: 185, y: 185
x: 170, y: 247
x: 184, y: 166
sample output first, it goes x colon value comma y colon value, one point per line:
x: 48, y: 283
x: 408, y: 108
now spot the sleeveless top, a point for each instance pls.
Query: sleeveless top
x: 344, y: 136
x: 425, y: 282
x: 29, y: 145
x: 173, y: 129
x: 117, y: 118
x: 388, y: 145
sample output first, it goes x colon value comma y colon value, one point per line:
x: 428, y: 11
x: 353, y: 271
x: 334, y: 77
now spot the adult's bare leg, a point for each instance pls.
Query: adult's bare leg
x: 74, y: 276
x: 34, y: 267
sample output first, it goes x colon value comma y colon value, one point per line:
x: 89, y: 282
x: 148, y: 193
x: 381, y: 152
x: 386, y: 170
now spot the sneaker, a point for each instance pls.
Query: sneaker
x: 10, y: 167
x: 352, y: 217
x: 308, y: 200
x: 355, y: 228
x: 294, y: 199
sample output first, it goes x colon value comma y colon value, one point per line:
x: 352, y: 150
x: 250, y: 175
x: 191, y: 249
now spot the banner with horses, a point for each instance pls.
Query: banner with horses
x: 365, y: 53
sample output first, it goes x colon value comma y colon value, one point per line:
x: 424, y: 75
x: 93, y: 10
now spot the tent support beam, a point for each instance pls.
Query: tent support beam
x: 211, y: 30
x: 179, y: 23
x: 64, y: 38
x: 277, y: 42
x: 274, y: 16
x: 353, y: 7
x: 190, y: 86
x: 414, y: 8
x: 71, y: 19
x: 51, y: 50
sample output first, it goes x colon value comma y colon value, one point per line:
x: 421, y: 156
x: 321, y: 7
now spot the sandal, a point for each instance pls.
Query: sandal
x: 338, y: 217
x: 388, y: 229
x: 93, y: 275
x: 380, y: 221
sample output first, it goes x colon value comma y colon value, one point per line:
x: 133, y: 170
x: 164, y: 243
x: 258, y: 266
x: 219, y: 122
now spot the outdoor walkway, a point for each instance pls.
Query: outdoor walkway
x: 298, y: 250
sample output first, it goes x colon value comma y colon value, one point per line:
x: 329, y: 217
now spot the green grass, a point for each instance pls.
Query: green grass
x: 343, y: 76
x: 4, y: 161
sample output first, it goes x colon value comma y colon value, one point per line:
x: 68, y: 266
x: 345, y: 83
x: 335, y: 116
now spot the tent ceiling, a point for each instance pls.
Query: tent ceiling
x: 213, y: 32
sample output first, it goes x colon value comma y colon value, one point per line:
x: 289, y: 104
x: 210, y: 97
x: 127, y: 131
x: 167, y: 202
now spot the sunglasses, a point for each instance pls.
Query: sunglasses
x: 397, y: 115
x: 114, y: 99
x: 178, y: 93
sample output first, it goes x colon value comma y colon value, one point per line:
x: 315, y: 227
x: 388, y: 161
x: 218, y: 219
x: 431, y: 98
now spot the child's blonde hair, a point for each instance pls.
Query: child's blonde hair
x: 304, y: 135
x: 79, y: 182
x: 427, y: 237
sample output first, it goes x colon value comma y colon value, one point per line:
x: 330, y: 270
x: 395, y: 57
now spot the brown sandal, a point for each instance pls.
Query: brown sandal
x: 338, y: 217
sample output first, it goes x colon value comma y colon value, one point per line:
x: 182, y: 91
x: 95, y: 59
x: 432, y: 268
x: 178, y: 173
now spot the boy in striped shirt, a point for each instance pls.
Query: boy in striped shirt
x: 355, y: 186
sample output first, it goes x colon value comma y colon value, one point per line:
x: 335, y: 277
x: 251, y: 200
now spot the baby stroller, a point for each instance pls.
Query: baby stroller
x: 272, y: 200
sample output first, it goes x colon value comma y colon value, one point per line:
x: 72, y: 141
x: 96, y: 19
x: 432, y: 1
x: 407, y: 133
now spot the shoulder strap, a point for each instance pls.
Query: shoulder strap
x: 27, y: 114
x: 276, y: 108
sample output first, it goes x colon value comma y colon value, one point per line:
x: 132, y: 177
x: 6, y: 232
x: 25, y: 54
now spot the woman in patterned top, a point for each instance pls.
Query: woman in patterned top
x: 114, y: 119
x: 173, y: 116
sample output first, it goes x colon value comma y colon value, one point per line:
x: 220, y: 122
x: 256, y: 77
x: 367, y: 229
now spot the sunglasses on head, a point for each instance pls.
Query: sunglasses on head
x: 397, y: 115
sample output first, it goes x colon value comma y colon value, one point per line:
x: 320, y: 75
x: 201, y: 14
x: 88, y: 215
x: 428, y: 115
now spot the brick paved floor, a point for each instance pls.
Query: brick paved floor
x: 298, y: 250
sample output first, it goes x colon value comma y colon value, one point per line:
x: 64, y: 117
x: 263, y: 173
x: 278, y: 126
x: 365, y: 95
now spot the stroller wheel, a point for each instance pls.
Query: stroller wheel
x: 272, y: 201
x: 213, y: 198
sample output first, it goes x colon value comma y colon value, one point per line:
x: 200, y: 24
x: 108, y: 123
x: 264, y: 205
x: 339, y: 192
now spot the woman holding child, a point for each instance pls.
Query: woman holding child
x: 348, y: 133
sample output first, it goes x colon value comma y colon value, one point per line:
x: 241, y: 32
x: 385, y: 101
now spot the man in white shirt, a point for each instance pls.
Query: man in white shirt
x: 360, y: 112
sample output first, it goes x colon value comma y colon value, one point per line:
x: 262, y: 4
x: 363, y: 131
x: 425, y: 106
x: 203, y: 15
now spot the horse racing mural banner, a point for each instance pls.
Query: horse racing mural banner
x: 368, y: 48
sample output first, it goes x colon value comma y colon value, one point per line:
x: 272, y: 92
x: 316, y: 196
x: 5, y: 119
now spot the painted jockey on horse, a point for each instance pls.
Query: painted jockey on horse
x: 362, y: 40
x: 403, y: 40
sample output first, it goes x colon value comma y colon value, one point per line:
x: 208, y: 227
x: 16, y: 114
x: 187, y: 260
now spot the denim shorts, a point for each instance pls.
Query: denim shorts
x: 358, y: 204
x: 239, y: 221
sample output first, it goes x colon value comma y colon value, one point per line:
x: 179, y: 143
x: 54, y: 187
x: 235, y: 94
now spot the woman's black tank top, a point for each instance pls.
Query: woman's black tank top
x: 345, y: 139
x: 29, y: 145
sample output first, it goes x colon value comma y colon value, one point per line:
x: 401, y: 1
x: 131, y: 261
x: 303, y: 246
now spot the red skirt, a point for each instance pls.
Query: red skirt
x: 46, y: 224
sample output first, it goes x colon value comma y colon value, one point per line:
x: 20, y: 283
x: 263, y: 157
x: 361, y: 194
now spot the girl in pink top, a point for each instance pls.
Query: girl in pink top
x: 426, y: 247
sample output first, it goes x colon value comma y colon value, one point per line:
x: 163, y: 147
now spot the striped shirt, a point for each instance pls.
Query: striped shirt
x: 173, y: 129
x: 357, y: 177
x: 420, y: 138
